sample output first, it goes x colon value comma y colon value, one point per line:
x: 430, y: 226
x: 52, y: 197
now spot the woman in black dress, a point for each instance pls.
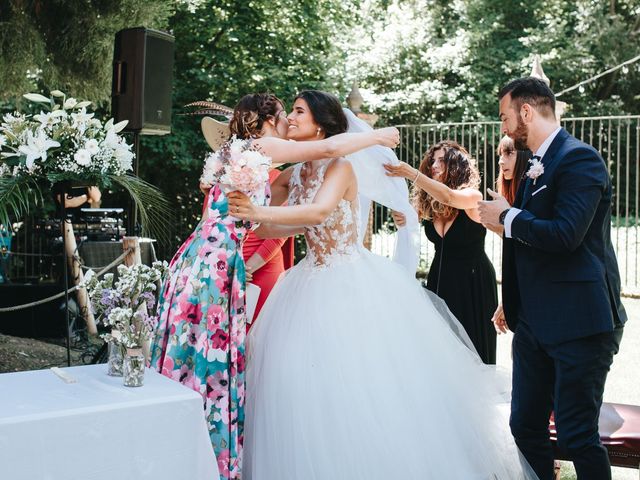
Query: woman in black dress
x: 446, y: 196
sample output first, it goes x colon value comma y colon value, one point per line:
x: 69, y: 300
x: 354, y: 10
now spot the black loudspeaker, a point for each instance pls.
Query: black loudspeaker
x: 142, y: 80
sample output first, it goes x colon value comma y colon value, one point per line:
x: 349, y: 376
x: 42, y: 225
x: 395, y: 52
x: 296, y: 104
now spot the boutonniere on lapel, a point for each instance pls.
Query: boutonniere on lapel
x: 535, y: 170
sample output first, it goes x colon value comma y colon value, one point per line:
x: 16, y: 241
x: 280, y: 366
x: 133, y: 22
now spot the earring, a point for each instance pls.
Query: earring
x: 318, y: 132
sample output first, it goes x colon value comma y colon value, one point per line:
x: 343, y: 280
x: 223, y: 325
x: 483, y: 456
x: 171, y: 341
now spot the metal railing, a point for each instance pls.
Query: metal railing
x: 617, y: 138
x: 32, y: 254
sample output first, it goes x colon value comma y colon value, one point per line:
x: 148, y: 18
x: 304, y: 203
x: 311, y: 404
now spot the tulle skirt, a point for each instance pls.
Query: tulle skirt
x: 354, y: 374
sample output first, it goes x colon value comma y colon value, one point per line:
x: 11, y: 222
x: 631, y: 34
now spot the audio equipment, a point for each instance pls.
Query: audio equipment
x: 142, y: 80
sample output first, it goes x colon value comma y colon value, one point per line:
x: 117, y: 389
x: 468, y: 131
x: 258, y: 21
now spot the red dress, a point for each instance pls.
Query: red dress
x: 278, y: 254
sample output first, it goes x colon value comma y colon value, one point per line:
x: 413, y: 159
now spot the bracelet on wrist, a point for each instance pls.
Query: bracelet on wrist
x: 417, y: 175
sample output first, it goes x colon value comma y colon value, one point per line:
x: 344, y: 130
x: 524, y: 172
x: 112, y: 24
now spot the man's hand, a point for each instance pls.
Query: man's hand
x: 499, y: 322
x: 490, y: 210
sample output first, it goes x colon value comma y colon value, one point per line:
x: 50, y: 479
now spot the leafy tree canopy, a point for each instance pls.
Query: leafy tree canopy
x: 443, y: 60
x: 415, y: 60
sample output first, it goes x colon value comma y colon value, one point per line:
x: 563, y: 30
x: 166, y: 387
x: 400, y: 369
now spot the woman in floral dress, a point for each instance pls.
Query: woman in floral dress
x: 200, y: 336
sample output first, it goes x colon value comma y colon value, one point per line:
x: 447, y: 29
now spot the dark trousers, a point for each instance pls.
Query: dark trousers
x: 568, y: 379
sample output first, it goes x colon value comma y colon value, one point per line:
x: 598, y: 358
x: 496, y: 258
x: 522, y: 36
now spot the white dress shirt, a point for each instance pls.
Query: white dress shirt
x: 542, y: 150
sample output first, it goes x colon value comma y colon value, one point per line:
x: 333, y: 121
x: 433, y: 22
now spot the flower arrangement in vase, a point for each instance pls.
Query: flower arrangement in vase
x: 126, y: 306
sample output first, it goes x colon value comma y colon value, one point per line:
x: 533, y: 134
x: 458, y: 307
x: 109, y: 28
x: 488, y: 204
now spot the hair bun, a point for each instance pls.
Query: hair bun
x: 251, y: 112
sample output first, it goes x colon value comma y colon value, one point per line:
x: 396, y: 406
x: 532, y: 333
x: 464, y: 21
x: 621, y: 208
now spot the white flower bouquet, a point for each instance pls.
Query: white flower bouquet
x: 126, y: 306
x: 64, y: 142
x: 236, y: 166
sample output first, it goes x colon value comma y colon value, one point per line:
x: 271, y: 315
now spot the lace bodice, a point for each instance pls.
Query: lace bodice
x: 336, y: 239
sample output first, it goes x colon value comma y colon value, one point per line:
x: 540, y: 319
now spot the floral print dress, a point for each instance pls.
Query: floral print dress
x: 200, y: 338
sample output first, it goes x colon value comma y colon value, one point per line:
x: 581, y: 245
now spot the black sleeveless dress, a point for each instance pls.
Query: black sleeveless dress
x: 463, y: 276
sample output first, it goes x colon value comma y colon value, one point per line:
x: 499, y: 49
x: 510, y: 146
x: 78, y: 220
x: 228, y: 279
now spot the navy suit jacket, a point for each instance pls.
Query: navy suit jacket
x: 559, y: 268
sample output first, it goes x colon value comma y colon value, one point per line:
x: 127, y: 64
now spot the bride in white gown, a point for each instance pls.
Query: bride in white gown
x: 353, y: 374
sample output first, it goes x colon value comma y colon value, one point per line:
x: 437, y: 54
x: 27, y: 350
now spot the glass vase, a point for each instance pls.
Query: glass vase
x: 116, y: 360
x: 133, y: 369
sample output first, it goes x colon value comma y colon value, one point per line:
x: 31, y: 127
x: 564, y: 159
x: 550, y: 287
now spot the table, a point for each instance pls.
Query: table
x: 99, y: 429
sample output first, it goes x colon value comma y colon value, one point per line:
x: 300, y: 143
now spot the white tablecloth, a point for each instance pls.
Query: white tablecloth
x: 99, y: 429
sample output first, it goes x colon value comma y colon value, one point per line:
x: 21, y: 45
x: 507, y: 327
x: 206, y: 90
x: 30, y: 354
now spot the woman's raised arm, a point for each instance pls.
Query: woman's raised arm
x: 287, y: 151
x: 463, y: 199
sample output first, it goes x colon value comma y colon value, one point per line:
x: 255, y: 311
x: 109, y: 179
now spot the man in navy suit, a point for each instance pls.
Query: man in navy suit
x: 561, y: 285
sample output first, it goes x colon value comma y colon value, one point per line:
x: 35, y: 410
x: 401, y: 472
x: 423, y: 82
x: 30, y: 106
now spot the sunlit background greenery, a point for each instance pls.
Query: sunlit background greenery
x: 415, y: 61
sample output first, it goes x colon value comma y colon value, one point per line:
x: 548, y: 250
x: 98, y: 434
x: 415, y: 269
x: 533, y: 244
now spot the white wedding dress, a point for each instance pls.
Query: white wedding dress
x: 354, y: 374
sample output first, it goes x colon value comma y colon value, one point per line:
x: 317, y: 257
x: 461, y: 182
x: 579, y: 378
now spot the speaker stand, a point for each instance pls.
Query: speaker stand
x: 132, y: 219
x: 60, y: 191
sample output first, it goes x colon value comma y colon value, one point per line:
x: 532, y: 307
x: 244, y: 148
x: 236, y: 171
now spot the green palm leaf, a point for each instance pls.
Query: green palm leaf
x: 20, y: 194
x: 156, y: 214
x: 17, y: 196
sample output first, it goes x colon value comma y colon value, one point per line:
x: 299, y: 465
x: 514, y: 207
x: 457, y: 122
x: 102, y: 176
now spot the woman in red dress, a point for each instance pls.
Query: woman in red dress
x: 266, y: 259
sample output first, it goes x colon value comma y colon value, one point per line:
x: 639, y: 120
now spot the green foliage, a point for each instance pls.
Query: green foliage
x: 156, y: 214
x: 431, y: 60
x: 18, y: 196
x: 224, y: 50
x: 416, y: 60
x: 580, y: 38
x: 22, y: 195
x: 67, y: 44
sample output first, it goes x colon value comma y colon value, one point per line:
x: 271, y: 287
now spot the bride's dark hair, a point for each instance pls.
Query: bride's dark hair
x: 326, y: 110
x: 251, y: 112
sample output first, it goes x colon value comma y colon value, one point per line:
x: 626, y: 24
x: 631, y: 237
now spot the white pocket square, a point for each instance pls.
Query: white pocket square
x: 539, y: 190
